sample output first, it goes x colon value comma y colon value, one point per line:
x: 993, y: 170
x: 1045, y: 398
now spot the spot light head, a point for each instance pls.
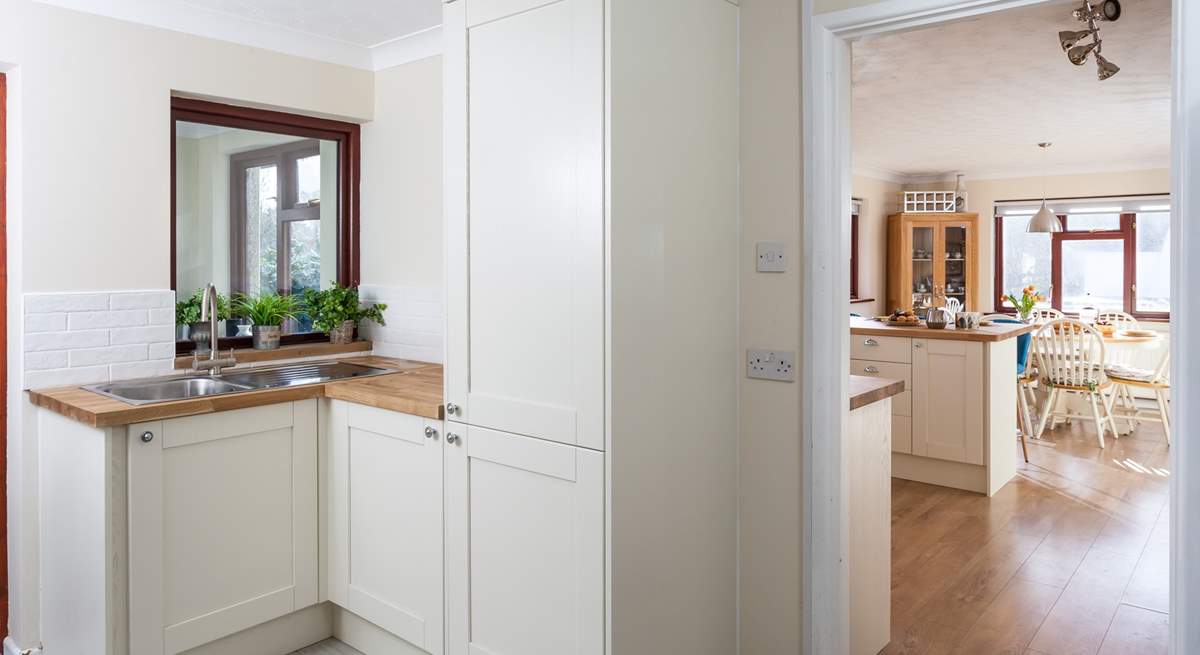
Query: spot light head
x: 1079, y: 54
x: 1105, y: 68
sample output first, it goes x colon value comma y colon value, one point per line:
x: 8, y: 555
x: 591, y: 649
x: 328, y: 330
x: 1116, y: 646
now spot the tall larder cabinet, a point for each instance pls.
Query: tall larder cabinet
x: 591, y: 340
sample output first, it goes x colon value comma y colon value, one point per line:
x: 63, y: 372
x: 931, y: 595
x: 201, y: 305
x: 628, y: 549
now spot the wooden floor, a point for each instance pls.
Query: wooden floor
x: 1069, y: 558
x: 328, y: 647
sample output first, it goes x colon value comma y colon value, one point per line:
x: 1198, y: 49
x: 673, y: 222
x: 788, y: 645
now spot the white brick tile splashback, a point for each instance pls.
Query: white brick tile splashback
x: 414, y: 322
x: 84, y: 338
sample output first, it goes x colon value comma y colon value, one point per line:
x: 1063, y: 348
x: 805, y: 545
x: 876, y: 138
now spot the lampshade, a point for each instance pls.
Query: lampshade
x: 1105, y: 68
x: 1078, y: 55
x: 1069, y: 38
x: 1044, y: 221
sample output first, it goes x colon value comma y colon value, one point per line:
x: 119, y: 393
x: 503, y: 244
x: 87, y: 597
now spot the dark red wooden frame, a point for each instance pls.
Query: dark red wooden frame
x: 854, y: 256
x: 348, y: 138
x: 1126, y: 233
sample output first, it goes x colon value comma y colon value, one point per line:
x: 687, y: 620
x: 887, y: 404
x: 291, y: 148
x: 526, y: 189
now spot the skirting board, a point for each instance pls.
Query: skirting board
x: 367, y: 637
x: 280, y: 636
x: 967, y: 477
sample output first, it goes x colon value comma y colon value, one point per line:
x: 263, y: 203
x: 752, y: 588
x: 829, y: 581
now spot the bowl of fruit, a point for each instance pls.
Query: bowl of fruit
x: 904, y: 318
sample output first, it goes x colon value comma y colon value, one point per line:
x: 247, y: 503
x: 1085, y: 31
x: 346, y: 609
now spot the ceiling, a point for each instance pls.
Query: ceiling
x: 976, y: 96
x: 365, y: 23
x: 369, y: 34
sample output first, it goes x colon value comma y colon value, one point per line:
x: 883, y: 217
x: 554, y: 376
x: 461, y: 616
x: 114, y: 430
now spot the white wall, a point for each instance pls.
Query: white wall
x: 770, y: 457
x: 402, y: 178
x: 89, y: 182
x: 879, y: 199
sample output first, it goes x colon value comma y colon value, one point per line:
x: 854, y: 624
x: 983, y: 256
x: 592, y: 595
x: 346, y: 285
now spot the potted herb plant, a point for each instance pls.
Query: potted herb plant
x: 266, y: 312
x: 187, y: 317
x: 337, y: 310
x: 1028, y: 300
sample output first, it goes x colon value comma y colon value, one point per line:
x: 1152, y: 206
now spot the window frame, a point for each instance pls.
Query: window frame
x: 1126, y: 233
x: 349, y: 151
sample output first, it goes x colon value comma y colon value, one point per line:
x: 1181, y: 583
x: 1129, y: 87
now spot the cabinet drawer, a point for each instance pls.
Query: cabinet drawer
x: 901, y: 434
x: 902, y: 402
x: 882, y: 349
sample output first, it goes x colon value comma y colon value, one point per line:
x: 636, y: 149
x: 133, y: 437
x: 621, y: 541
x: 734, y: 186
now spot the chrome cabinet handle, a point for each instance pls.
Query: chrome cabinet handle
x: 451, y: 408
x: 430, y: 433
x: 916, y: 345
x: 451, y: 438
x: 147, y: 436
x: 870, y: 369
x: 870, y: 342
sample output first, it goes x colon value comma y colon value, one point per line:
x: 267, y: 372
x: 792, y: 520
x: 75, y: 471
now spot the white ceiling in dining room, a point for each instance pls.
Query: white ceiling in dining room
x: 977, y: 95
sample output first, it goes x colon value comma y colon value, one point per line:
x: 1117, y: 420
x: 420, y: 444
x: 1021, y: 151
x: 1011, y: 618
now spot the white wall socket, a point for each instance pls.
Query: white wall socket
x: 779, y: 365
x: 772, y: 258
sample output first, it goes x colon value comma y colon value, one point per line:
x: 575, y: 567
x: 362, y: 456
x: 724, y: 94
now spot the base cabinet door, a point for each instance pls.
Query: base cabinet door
x: 948, y: 400
x: 524, y: 545
x: 222, y: 524
x: 385, y: 520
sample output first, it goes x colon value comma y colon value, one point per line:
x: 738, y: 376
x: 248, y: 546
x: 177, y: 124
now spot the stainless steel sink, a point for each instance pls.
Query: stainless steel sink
x: 160, y: 390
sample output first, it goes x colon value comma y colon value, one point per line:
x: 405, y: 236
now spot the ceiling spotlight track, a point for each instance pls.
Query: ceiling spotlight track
x: 1091, y: 13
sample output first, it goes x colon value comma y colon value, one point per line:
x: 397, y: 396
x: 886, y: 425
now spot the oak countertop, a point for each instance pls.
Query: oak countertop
x: 416, y: 388
x: 865, y: 390
x: 990, y: 333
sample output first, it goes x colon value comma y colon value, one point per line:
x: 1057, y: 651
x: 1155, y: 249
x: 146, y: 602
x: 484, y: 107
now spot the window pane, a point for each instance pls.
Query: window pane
x: 1026, y: 258
x: 304, y: 255
x: 1154, y: 262
x: 308, y: 184
x: 1093, y: 273
x: 1090, y: 222
x: 261, y: 244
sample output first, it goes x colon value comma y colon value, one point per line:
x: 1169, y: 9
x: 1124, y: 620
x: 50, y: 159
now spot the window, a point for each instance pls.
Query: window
x: 261, y: 202
x: 1114, y: 258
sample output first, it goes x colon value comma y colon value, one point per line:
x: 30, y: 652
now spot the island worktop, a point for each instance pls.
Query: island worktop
x: 986, y: 334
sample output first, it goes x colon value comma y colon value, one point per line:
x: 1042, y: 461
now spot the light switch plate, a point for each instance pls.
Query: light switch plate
x: 778, y: 365
x: 772, y: 257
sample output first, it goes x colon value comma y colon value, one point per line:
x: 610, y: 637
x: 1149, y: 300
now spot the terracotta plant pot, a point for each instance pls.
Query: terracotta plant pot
x: 266, y: 337
x: 343, y: 333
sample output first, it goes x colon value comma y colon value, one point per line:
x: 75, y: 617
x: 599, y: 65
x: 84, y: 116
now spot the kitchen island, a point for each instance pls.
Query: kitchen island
x: 955, y: 423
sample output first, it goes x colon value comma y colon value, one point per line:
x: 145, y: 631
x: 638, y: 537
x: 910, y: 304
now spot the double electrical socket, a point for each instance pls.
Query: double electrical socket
x: 778, y: 365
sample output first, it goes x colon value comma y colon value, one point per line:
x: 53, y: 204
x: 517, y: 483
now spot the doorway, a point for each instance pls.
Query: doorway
x: 826, y: 246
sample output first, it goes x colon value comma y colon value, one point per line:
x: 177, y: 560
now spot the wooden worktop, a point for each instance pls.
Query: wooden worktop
x: 865, y: 390
x: 416, y: 388
x: 290, y: 351
x: 990, y: 333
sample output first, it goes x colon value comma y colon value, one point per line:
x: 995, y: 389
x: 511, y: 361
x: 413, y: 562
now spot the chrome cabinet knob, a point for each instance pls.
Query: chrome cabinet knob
x: 430, y: 433
x: 451, y: 438
x: 147, y: 436
x: 870, y: 342
x: 870, y: 369
x: 451, y: 408
x: 917, y: 344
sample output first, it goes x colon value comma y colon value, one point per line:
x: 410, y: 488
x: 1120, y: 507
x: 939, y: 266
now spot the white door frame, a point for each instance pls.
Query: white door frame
x: 825, y: 66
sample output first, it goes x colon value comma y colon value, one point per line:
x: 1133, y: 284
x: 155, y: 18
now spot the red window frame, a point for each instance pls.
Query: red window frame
x: 854, y: 256
x: 1126, y: 233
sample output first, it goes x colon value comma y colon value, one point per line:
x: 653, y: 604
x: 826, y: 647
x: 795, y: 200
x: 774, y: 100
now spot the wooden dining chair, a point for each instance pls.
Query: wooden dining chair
x: 1045, y: 314
x: 1122, y: 403
x: 1119, y: 320
x: 1070, y: 360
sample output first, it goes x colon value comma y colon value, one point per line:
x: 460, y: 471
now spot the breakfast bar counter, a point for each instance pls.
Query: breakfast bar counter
x: 985, y: 333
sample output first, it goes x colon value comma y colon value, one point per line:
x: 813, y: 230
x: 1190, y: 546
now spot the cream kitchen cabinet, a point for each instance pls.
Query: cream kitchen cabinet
x: 385, y: 520
x: 525, y: 217
x: 222, y: 524
x: 524, y: 545
x: 948, y: 400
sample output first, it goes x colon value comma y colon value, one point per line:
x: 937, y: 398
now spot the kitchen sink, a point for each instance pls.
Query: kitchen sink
x: 160, y: 390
